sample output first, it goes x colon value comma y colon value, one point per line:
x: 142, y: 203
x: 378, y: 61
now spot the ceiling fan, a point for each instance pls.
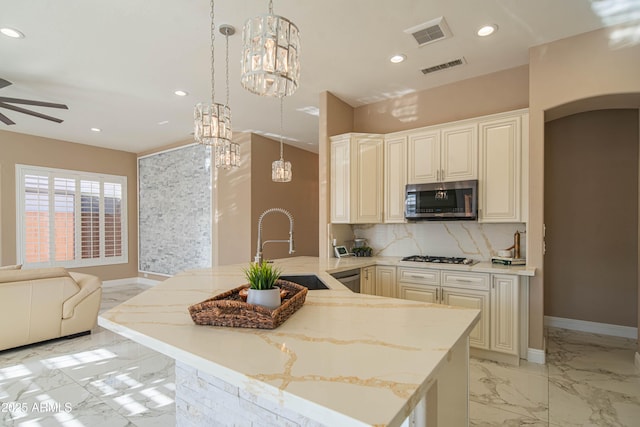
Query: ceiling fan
x: 6, y: 103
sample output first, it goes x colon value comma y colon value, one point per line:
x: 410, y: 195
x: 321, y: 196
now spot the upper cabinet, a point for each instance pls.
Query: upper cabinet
x: 395, y: 178
x: 503, y: 179
x: 443, y: 154
x: 369, y: 172
x: 356, y: 178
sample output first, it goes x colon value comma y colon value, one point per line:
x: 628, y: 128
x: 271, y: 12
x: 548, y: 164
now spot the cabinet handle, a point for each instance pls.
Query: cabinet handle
x: 417, y: 276
x: 464, y: 280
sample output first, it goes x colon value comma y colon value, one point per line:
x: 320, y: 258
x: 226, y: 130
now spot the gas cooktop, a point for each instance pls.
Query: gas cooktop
x: 439, y: 259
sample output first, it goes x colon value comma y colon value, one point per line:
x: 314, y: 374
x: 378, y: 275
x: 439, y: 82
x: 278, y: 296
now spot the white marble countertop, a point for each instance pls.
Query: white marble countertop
x: 343, y: 358
x: 340, y: 264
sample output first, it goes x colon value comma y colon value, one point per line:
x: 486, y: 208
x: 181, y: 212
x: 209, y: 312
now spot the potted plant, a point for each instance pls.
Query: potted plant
x: 262, y: 279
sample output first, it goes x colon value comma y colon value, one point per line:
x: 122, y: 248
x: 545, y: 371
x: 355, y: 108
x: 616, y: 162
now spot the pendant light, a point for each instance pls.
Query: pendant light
x: 270, y: 55
x: 213, y: 121
x: 281, y: 170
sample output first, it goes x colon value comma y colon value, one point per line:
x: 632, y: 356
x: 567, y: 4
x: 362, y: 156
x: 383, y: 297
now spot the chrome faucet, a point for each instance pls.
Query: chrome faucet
x: 260, y: 245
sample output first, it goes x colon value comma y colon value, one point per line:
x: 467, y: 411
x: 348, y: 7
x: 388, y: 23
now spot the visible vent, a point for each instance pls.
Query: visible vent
x: 430, y: 32
x: 444, y: 66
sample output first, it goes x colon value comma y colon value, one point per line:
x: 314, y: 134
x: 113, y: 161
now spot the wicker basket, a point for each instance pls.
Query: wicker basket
x: 228, y: 309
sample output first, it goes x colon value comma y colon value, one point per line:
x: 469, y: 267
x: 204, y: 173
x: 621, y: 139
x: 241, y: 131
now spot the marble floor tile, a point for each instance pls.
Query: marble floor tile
x: 592, y: 380
x: 108, y: 380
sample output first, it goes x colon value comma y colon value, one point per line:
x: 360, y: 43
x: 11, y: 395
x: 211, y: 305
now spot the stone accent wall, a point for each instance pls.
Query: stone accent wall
x: 175, y: 210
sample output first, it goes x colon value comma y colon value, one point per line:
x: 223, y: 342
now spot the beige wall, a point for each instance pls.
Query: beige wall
x: 591, y: 217
x: 299, y: 197
x: 231, y: 195
x: 565, y: 71
x: 18, y: 148
x: 492, y: 93
x: 336, y: 117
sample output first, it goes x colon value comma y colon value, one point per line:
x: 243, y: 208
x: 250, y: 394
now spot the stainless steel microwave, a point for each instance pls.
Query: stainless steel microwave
x: 442, y: 201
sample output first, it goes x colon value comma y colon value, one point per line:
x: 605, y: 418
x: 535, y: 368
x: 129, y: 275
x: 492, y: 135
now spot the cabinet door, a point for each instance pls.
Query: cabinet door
x: 423, y: 293
x: 505, y: 313
x: 368, y: 196
x: 340, y: 180
x: 395, y: 178
x: 500, y: 170
x: 479, y: 336
x: 386, y: 281
x: 368, y: 281
x: 424, y: 157
x: 459, y: 158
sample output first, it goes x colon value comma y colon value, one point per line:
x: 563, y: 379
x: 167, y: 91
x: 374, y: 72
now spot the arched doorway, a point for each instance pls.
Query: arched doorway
x: 591, y: 214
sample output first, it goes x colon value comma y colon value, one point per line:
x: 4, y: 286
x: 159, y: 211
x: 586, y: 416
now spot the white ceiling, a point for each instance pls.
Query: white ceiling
x: 117, y: 63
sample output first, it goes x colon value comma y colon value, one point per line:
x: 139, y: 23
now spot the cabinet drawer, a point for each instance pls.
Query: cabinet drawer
x: 479, y: 281
x: 419, y: 275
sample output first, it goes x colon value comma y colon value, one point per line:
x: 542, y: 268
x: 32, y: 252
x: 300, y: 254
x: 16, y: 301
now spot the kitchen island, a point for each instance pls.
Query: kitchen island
x: 342, y: 359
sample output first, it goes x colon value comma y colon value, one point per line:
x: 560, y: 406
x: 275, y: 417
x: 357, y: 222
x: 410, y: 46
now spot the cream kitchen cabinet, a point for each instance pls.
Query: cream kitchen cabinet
x: 503, y: 173
x: 395, y: 178
x: 386, y: 281
x: 495, y: 295
x: 368, y: 280
x: 356, y: 178
x: 504, y: 313
x: 418, y: 284
x: 469, y: 290
x: 462, y: 289
x: 440, y: 154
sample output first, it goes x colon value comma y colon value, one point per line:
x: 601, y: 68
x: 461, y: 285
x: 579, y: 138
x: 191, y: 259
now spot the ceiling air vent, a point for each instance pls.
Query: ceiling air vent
x: 429, y: 32
x: 444, y: 66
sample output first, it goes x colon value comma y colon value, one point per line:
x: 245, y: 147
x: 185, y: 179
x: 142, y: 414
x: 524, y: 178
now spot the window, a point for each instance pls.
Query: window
x: 69, y: 218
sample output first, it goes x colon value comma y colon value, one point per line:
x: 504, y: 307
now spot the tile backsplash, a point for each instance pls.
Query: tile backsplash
x: 446, y: 238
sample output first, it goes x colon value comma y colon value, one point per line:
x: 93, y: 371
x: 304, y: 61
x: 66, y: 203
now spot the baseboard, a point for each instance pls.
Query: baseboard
x: 593, y: 327
x: 637, y: 360
x: 136, y: 280
x: 535, y: 355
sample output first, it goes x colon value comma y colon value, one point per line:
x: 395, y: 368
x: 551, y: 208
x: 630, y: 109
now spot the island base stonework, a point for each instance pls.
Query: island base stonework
x: 204, y: 400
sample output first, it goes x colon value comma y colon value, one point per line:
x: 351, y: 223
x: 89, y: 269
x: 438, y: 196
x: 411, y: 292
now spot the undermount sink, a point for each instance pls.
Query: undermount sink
x: 309, y: 281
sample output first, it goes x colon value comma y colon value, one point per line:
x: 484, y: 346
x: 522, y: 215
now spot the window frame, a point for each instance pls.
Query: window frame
x: 52, y: 173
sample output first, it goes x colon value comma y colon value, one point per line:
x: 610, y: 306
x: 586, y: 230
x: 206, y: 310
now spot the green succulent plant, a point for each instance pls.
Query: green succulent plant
x: 262, y: 276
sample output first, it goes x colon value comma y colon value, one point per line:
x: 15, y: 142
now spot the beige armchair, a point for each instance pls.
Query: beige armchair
x: 41, y: 304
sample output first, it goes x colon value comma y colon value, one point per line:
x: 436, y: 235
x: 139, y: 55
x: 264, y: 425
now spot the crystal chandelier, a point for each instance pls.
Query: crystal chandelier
x: 213, y: 121
x: 270, y: 55
x: 281, y: 170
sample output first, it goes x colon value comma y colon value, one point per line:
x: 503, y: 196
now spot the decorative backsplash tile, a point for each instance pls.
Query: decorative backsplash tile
x: 175, y: 210
x: 446, y: 238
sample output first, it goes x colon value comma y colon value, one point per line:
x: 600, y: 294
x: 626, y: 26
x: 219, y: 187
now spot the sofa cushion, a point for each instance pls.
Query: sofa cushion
x: 11, y: 267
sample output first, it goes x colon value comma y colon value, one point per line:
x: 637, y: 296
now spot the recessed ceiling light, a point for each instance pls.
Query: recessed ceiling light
x: 396, y: 59
x: 487, y: 30
x: 164, y: 122
x: 181, y: 93
x: 12, y: 32
x: 96, y: 130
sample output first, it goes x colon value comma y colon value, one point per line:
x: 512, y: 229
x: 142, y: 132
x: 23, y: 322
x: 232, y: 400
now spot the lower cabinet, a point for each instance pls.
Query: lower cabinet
x: 378, y: 280
x: 495, y: 295
x: 386, y: 281
x: 368, y: 280
x: 505, y: 299
x: 479, y: 337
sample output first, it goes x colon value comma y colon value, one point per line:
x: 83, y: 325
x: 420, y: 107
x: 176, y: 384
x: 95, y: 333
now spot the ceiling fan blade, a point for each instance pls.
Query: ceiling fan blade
x: 31, y: 102
x: 4, y: 83
x: 6, y: 120
x: 29, y: 112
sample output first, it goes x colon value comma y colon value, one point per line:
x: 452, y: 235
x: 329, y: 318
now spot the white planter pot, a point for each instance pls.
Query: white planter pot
x: 267, y: 298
